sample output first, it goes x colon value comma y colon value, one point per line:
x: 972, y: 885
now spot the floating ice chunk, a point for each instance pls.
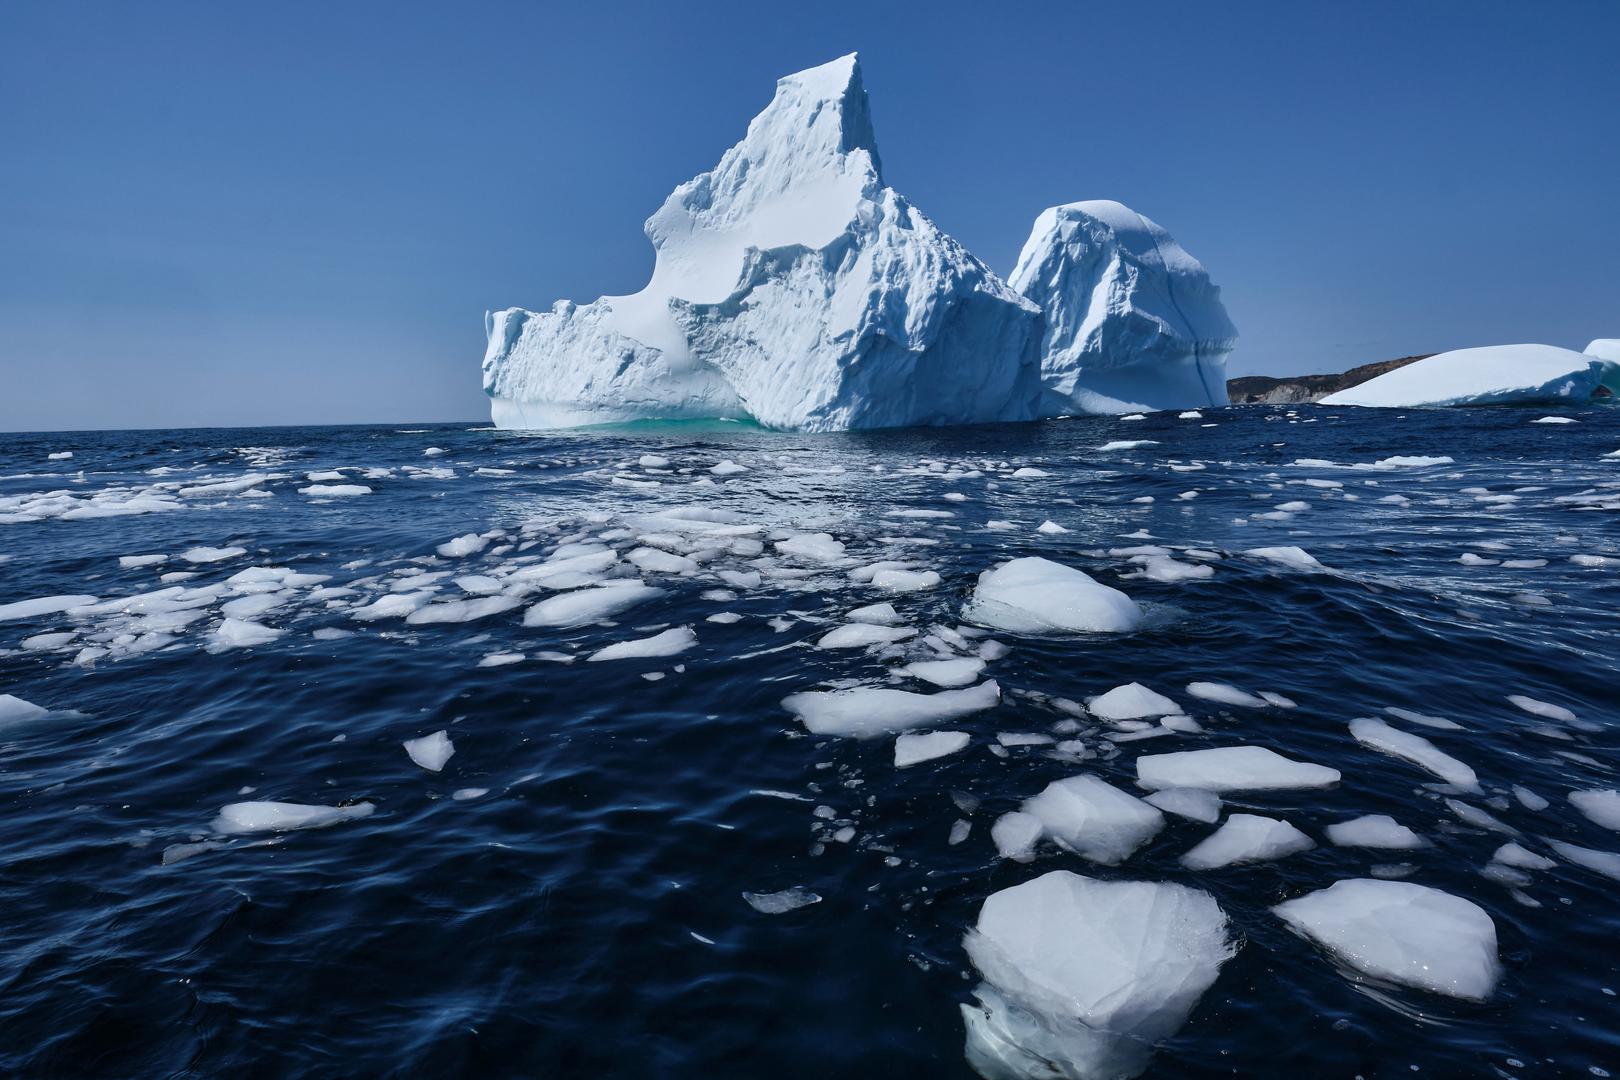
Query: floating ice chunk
x: 1247, y: 838
x: 1413, y: 461
x: 1034, y: 595
x: 1170, y: 571
x: 926, y: 746
x: 675, y: 640
x: 463, y: 794
x: 1479, y: 819
x: 249, y: 817
x: 1425, y: 719
x: 1082, y: 977
x: 1133, y: 701
x: 14, y: 710
x: 1094, y: 819
x: 583, y: 606
x: 1051, y: 528
x: 1190, y: 414
x: 1015, y: 835
x: 728, y: 468
x: 466, y: 544
x: 1374, y: 831
x: 1414, y: 748
x: 501, y: 659
x: 905, y: 581
x: 654, y: 561
x: 478, y: 584
x: 860, y: 635
x: 60, y: 455
x: 1296, y: 557
x: 866, y: 712
x: 1606, y: 863
x: 1555, y: 420
x: 251, y: 607
x: 947, y: 673
x: 1029, y: 473
x: 431, y: 751
x: 777, y: 903
x: 460, y: 611
x: 434, y: 451
x: 812, y: 547
x: 391, y: 606
x: 1402, y: 932
x: 1223, y: 694
x: 1195, y: 804
x: 1125, y: 444
x: 653, y: 461
x: 1545, y: 709
x: 1231, y: 768
x: 334, y: 490
x: 876, y: 614
x: 1511, y: 854
x: 211, y: 554
x: 1601, y: 807
x: 130, y: 562
x: 1529, y: 799
x: 243, y: 633
x: 41, y: 642
x: 42, y: 605
x: 960, y: 829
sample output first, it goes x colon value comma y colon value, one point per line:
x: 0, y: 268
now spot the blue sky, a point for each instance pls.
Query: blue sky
x: 281, y: 213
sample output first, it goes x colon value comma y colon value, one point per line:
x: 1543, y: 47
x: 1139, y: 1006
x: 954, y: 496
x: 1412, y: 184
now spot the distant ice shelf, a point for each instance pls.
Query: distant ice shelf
x: 1492, y: 375
x: 793, y: 287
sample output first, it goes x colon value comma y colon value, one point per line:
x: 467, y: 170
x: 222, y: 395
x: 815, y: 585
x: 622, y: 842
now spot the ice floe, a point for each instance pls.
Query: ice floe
x: 867, y: 712
x: 1247, y: 838
x: 1231, y: 768
x: 1035, y: 595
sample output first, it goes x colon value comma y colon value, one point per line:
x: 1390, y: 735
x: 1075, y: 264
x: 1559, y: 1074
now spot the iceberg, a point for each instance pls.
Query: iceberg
x: 1604, y: 349
x: 793, y: 287
x: 1492, y: 375
x: 1082, y: 977
x: 1133, y: 323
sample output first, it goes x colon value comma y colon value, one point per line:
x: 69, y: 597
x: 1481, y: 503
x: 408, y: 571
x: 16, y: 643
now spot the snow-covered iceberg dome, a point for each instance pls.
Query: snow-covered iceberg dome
x: 791, y: 286
x: 1133, y: 322
x: 1491, y: 375
x: 1605, y: 349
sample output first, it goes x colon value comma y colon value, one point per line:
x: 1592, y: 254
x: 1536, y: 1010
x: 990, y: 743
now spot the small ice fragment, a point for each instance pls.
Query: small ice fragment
x: 1374, y: 831
x: 1034, y: 595
x: 1479, y: 819
x: 130, y: 562
x: 334, y: 490
x: 946, y: 673
x: 1414, y: 748
x: 1247, y: 838
x: 1424, y: 719
x: 466, y: 544
x: 588, y: 605
x: 42, y: 605
x: 1231, y: 768
x: 959, y: 831
x: 431, y: 751
x: 866, y: 712
x: 1512, y: 854
x: 1015, y: 835
x: 877, y: 614
x: 243, y: 633
x: 211, y: 554
x: 1094, y: 819
x: 912, y: 749
x: 501, y: 659
x: 1606, y: 863
x: 1529, y: 799
x: 463, y: 794
x: 1288, y: 556
x: 1051, y: 528
x: 1223, y: 694
x: 776, y: 903
x: 1403, y: 932
x: 248, y: 817
x: 861, y: 635
x: 728, y: 468
x: 1601, y: 806
x: 1544, y: 709
x: 1133, y: 701
x: 14, y: 710
x: 669, y: 643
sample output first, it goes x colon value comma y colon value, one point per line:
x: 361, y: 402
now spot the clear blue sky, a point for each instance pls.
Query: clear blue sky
x: 233, y: 213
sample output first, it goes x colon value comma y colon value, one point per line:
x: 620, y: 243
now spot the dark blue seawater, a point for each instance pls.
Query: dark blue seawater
x: 578, y: 910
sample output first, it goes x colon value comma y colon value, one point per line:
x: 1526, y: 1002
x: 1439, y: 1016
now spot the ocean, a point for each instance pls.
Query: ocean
x: 645, y: 865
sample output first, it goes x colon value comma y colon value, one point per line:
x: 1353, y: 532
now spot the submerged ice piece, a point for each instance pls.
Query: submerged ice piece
x: 1133, y: 322
x: 1492, y: 375
x: 791, y: 285
x: 1082, y: 977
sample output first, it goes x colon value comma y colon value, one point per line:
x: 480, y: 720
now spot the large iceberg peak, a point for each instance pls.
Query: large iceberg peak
x: 791, y: 286
x: 1133, y: 322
